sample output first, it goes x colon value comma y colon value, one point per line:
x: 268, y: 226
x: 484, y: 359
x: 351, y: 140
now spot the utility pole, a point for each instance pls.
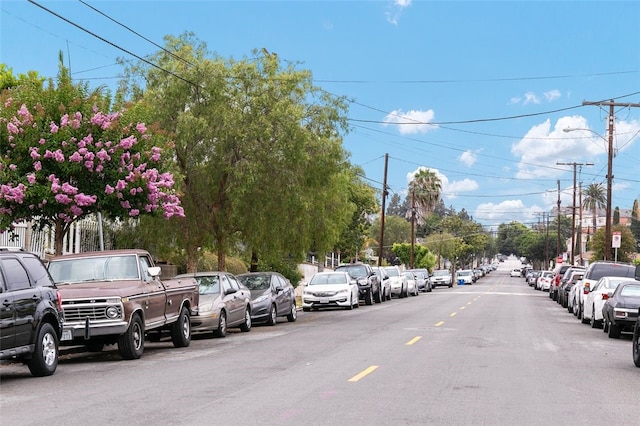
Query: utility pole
x: 413, y: 227
x: 580, y: 220
x: 558, y: 235
x: 573, y: 207
x: 607, y: 225
x: 384, y: 196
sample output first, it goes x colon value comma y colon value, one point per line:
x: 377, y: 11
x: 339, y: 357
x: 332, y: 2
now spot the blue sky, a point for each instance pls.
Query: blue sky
x: 477, y: 91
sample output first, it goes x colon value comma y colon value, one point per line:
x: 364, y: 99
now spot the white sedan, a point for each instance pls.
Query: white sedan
x: 516, y: 272
x: 595, y: 299
x: 330, y: 289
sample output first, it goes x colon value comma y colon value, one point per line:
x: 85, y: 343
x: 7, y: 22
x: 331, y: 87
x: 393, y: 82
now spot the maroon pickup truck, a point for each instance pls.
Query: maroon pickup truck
x: 116, y: 296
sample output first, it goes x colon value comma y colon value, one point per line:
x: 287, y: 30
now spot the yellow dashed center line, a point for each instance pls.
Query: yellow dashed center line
x: 363, y: 374
x: 438, y: 324
x: 412, y: 341
x: 462, y: 307
x: 452, y: 314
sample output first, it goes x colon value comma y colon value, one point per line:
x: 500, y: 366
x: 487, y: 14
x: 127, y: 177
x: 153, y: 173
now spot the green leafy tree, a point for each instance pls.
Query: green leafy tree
x: 508, y: 236
x: 422, y: 256
x: 635, y: 222
x: 258, y: 148
x: 424, y: 191
x: 396, y: 230
x: 627, y: 244
x: 444, y: 245
x: 396, y: 207
x: 616, y: 216
x: 64, y: 156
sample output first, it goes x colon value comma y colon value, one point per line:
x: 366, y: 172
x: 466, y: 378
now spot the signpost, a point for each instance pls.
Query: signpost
x: 616, y: 240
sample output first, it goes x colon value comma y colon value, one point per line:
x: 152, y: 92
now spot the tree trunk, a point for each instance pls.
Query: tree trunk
x: 60, y: 231
x: 222, y: 260
x: 254, y: 262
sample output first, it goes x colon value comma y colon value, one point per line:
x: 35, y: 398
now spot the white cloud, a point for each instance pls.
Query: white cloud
x: 531, y: 98
x: 551, y: 95
x: 542, y: 147
x: 468, y: 158
x: 534, y: 98
x: 506, y: 212
x: 450, y: 189
x: 411, y: 121
x: 395, y: 10
x: 627, y: 133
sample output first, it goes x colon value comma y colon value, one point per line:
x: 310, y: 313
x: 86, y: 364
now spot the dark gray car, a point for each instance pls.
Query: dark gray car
x: 272, y: 296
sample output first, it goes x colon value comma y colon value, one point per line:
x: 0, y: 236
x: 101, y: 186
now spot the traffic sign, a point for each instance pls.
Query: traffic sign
x: 616, y: 240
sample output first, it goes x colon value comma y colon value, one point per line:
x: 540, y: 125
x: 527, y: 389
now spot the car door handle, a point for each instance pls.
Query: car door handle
x: 6, y: 302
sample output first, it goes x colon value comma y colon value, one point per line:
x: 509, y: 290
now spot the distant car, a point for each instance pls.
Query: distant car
x: 367, y: 280
x: 412, y: 283
x: 571, y: 276
x: 559, y: 272
x: 224, y: 303
x: 422, y: 275
x: 464, y: 277
x: 385, y: 284
x: 595, y: 299
x: 330, y: 289
x: 272, y: 296
x: 399, y: 284
x: 544, y: 280
x: 516, y: 272
x: 532, y: 277
x: 441, y: 277
x: 31, y: 313
x: 620, y: 311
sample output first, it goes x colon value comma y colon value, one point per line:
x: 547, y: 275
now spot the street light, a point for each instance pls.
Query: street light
x: 607, y: 225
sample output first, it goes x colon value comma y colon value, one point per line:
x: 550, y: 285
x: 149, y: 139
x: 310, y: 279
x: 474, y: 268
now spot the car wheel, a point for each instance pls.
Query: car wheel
x: 246, y: 325
x: 181, y: 329
x: 368, y: 299
x: 44, y: 360
x: 605, y: 326
x: 222, y: 325
x: 429, y: 289
x: 131, y: 343
x: 273, y: 315
x: 614, y: 331
x: 593, y: 322
x: 350, y: 307
x: 635, y: 345
x: 579, y: 311
x: 378, y: 297
x: 293, y: 315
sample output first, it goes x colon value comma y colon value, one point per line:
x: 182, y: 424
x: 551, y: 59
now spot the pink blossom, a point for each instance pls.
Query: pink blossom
x: 99, y: 168
x: 59, y: 156
x: 88, y: 165
x: 121, y: 185
x: 12, y: 128
x: 53, y: 127
x: 141, y: 127
x: 76, y: 157
x: 31, y: 178
x: 155, y: 156
x: 75, y: 210
x: 85, y: 200
x: 37, y: 166
x: 103, y: 155
x: 33, y: 152
x: 128, y: 142
x: 64, y: 121
x: 134, y: 212
x: 125, y: 204
x: 13, y: 167
x: 62, y: 198
x: 69, y: 189
x: 108, y: 189
x: 42, y: 141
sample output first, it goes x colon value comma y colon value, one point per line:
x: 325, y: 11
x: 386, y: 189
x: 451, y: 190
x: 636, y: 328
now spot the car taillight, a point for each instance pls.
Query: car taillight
x: 58, y: 300
x: 605, y: 296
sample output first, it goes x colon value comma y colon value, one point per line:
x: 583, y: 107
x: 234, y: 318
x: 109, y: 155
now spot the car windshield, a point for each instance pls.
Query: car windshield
x: 612, y: 270
x: 630, y: 291
x: 103, y: 268
x: 464, y: 273
x: 209, y: 284
x: 393, y: 272
x: 409, y: 275
x: 255, y: 282
x: 357, y: 271
x: 441, y: 273
x: 328, y: 279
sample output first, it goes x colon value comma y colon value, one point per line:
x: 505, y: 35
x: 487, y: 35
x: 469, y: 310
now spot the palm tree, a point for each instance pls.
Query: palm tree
x: 594, y: 198
x: 425, y: 189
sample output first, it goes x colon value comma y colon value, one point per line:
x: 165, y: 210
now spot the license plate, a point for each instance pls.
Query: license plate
x: 66, y: 335
x: 324, y: 300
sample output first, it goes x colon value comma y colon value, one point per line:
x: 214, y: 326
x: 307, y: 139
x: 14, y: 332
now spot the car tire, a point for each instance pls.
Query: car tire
x: 222, y: 325
x: 593, y: 322
x: 181, y: 329
x: 605, y: 326
x: 273, y: 316
x: 614, y: 331
x: 293, y: 315
x: 44, y: 359
x: 246, y: 325
x: 368, y: 298
x: 635, y: 345
x: 131, y: 343
x: 378, y: 297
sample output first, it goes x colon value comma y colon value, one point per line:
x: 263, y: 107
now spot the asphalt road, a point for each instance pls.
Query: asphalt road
x: 494, y: 353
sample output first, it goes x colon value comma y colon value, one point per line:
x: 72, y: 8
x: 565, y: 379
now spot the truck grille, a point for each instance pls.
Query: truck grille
x: 78, y: 311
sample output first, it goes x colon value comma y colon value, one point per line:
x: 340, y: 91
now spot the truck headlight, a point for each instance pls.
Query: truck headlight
x: 112, y: 312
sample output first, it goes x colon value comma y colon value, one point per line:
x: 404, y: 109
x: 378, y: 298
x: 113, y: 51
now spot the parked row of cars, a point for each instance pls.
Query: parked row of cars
x: 605, y: 295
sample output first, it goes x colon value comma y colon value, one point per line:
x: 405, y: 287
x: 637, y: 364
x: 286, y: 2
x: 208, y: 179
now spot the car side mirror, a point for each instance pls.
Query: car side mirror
x: 637, y: 272
x: 154, y: 271
x: 230, y: 291
x: 279, y: 289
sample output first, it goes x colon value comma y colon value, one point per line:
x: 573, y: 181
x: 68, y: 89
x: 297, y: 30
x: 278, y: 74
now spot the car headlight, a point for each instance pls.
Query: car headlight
x: 342, y: 291
x: 112, y: 312
x: 261, y: 298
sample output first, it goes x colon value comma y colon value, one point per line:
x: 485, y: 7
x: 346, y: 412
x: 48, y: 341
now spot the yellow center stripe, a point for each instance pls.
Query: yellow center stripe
x: 452, y: 314
x: 412, y: 341
x: 439, y: 324
x: 362, y: 374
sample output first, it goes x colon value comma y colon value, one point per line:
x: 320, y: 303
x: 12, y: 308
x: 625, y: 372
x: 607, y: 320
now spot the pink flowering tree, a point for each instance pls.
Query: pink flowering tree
x: 60, y: 164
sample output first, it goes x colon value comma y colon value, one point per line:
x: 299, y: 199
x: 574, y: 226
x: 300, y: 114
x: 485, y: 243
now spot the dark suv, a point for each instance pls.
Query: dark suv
x: 30, y: 312
x: 368, y: 283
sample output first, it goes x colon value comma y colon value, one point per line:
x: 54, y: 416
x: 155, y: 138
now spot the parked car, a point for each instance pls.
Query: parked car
x: 224, y: 303
x: 330, y: 289
x: 544, y: 280
x: 385, y: 282
x: 412, y: 283
x: 570, y: 277
x: 620, y: 311
x: 441, y: 277
x: 596, y: 298
x: 592, y: 274
x: 31, y: 316
x: 422, y: 276
x: 399, y: 284
x: 117, y: 297
x: 559, y: 272
x: 516, y: 272
x: 367, y: 280
x: 272, y: 296
x: 532, y: 277
x: 464, y: 277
